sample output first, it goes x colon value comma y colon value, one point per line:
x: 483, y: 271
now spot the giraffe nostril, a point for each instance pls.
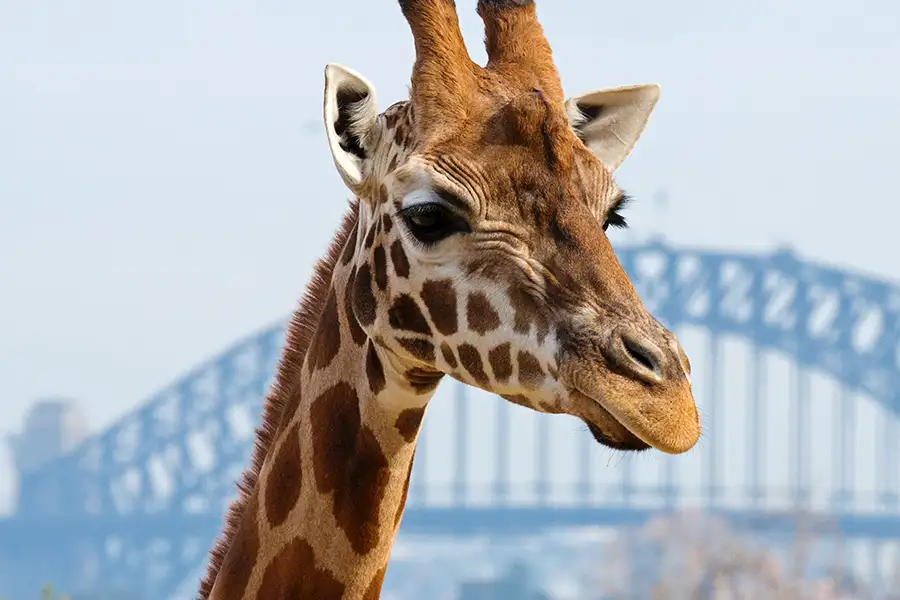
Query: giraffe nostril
x: 641, y: 354
x: 637, y: 355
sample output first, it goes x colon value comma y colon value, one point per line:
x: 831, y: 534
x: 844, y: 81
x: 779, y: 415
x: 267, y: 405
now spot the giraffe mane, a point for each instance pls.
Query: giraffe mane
x: 284, y: 388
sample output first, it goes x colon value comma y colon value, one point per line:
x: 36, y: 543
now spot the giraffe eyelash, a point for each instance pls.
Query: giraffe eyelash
x: 614, y: 217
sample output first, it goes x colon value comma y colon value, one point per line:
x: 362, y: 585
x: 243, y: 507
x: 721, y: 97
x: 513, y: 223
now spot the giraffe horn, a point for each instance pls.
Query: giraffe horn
x: 516, y: 46
x: 443, y: 74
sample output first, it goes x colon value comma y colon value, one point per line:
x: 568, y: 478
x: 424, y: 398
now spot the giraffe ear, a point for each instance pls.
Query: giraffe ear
x: 610, y: 121
x: 351, y: 116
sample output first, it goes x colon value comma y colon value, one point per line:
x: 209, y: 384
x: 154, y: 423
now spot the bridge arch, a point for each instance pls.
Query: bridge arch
x: 166, y: 470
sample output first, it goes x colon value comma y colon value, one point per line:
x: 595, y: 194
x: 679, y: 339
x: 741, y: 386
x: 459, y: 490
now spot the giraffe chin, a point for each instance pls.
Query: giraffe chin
x: 604, y: 427
x: 631, y: 443
x: 607, y: 430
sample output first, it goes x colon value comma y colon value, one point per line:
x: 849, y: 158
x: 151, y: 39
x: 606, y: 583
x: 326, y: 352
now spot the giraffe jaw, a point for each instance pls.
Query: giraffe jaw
x: 634, y: 444
x: 605, y: 428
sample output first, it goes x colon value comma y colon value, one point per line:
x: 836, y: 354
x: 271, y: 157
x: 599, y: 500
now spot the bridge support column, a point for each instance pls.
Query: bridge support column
x: 845, y: 449
x: 461, y: 456
x: 715, y: 445
x: 888, y: 454
x: 501, y: 479
x: 756, y: 434
x: 800, y: 464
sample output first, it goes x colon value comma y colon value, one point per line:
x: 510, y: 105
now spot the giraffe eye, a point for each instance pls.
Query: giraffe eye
x: 431, y: 222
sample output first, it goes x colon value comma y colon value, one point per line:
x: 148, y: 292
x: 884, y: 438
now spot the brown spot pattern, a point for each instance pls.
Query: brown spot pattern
x: 408, y: 423
x: 293, y: 574
x: 421, y: 349
x: 440, y: 299
x: 526, y: 312
x: 471, y: 360
x: 349, y: 247
x: 500, y: 358
x: 386, y: 222
x: 398, y: 257
x: 241, y: 558
x: 380, y: 259
x: 447, y: 351
x: 370, y: 236
x: 327, y: 341
x: 363, y: 298
x: 523, y: 309
x: 356, y: 332
x: 405, y: 314
x: 480, y: 314
x: 374, y: 369
x: 530, y: 373
x: 285, y: 479
x: 349, y: 464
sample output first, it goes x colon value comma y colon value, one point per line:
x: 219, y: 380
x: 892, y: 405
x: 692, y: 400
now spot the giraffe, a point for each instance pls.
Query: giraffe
x: 475, y: 245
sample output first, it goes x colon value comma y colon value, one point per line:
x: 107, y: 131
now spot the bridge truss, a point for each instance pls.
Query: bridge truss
x: 797, y: 369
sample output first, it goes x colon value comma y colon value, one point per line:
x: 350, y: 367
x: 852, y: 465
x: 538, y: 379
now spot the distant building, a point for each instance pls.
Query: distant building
x: 52, y: 427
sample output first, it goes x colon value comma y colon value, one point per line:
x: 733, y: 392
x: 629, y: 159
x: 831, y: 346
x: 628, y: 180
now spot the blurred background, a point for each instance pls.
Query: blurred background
x: 165, y: 186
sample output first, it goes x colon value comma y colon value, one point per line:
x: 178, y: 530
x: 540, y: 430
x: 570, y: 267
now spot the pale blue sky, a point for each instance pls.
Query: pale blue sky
x: 165, y: 184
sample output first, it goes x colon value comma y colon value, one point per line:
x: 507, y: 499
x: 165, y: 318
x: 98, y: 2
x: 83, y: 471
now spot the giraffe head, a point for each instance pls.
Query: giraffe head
x: 482, y: 250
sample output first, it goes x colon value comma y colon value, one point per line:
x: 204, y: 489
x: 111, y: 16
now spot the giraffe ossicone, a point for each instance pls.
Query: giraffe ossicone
x: 476, y: 247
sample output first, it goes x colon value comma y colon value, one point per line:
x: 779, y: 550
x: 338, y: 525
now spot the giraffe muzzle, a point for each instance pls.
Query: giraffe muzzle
x: 642, y: 390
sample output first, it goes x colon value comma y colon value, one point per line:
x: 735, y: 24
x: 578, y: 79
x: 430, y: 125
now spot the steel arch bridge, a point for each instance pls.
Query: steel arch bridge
x: 803, y: 415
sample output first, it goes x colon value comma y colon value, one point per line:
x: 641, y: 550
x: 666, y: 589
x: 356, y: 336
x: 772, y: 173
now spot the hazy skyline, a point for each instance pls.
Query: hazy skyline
x: 165, y: 184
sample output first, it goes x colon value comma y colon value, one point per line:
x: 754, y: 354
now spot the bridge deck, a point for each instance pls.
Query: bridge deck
x: 455, y: 521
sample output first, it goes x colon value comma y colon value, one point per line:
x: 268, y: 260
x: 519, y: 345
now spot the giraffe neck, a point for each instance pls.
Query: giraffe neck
x: 322, y: 517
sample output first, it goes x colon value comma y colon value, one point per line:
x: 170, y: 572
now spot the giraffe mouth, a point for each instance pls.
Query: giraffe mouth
x: 631, y: 428
x: 633, y: 443
x: 608, y: 430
